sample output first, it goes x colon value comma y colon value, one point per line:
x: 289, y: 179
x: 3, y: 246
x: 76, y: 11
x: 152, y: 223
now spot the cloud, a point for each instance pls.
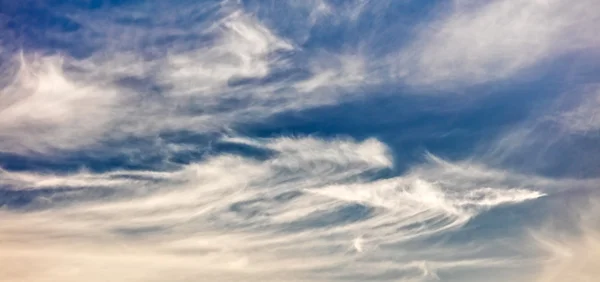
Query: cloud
x: 294, y: 214
x: 573, y: 254
x: 240, y: 49
x: 558, y: 137
x: 308, y: 209
x: 584, y: 117
x: 574, y: 260
x: 127, y: 90
x: 475, y: 43
x: 344, y: 71
x: 43, y: 107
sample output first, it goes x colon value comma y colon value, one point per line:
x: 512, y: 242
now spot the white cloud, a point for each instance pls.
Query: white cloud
x: 335, y: 71
x: 585, y: 116
x: 574, y: 113
x: 241, y: 49
x: 238, y: 218
x: 573, y: 255
x: 59, y: 103
x: 494, y: 40
x: 45, y: 109
x: 311, y: 211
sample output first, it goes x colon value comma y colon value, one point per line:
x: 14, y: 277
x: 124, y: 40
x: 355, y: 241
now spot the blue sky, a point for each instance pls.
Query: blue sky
x: 299, y: 140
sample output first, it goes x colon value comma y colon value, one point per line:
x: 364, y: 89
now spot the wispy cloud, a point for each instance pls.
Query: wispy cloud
x: 43, y: 107
x: 309, y: 208
x: 573, y: 254
x: 61, y: 103
x: 473, y: 43
x: 584, y: 117
x: 311, y: 200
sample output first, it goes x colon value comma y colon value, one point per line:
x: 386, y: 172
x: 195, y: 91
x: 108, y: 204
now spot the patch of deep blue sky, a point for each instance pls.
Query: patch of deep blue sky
x: 454, y: 123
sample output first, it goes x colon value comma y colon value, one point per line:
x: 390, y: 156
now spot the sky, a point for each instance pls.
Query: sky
x: 316, y: 140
